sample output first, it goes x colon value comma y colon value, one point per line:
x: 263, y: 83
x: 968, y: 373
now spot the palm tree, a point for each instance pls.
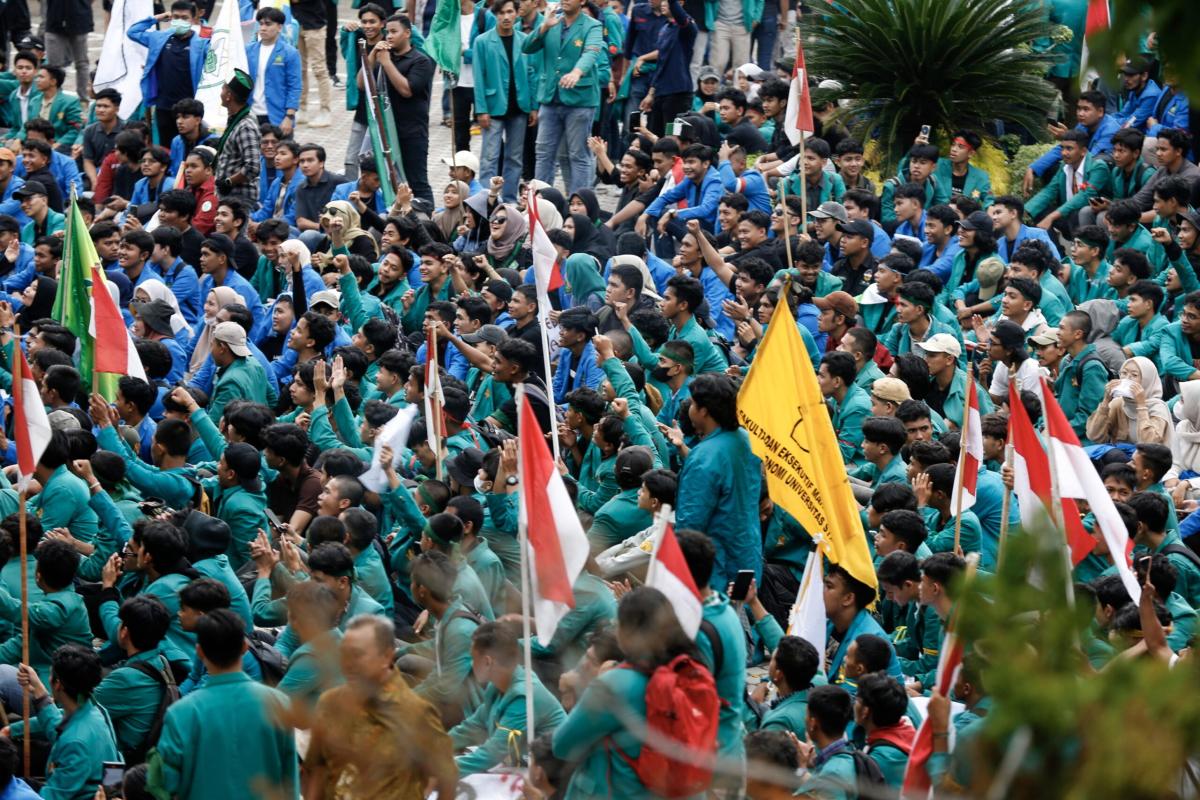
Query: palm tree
x: 949, y: 64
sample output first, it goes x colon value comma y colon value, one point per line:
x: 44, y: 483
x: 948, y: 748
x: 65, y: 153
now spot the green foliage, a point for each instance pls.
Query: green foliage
x: 1122, y: 732
x: 949, y: 64
x: 1023, y: 159
x: 1174, y: 23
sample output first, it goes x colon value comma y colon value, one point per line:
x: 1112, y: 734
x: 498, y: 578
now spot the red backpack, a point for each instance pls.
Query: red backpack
x: 682, y: 706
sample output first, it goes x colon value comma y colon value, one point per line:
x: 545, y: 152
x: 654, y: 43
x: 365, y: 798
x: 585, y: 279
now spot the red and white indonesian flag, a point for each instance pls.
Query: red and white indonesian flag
x: 669, y: 573
x: 435, y: 420
x: 547, y: 274
x: 31, y: 426
x: 1099, y: 18
x: 798, y: 117
x: 114, y: 352
x: 557, y: 546
x: 1077, y: 478
x: 970, y: 453
x: 917, y: 782
x: 807, y: 618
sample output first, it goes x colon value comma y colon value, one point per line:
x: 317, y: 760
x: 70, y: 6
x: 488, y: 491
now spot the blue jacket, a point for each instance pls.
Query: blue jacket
x: 22, y: 272
x: 177, y: 148
x: 1026, y: 233
x: 702, y: 201
x: 269, y: 198
x: 145, y: 33
x: 1135, y: 109
x: 242, y: 286
x: 587, y: 372
x: 751, y: 184
x: 181, y: 279
x: 1176, y: 114
x: 343, y: 190
x: 1099, y: 143
x: 282, y: 76
x: 941, y: 265
x: 141, y: 190
x: 11, y: 205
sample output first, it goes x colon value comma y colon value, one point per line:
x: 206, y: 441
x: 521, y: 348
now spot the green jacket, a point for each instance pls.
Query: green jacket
x: 63, y: 503
x: 79, y: 745
x: 594, y: 608
x: 490, y: 570
x: 1081, y: 287
x: 252, y: 748
x: 1053, y: 196
x: 978, y: 185
x: 360, y: 603
x: 896, y: 471
x: 936, y: 192
x: 494, y: 730
x: 450, y: 683
x: 1141, y: 341
x: 920, y: 645
x: 752, y: 11
x: 414, y: 319
x: 1080, y: 388
x: 594, y: 727
x: 180, y: 645
x: 1143, y: 242
x: 868, y: 375
x: 243, y: 379
x: 583, y: 50
x: 941, y: 535
x: 730, y: 673
x: 131, y: 698
x: 848, y: 417
x: 708, y: 357
x: 831, y: 187
x: 174, y: 486
x: 1174, y: 352
x: 833, y: 779
x: 956, y: 398
x: 372, y: 578
x: 617, y: 520
x: 55, y: 222
x: 217, y: 567
x: 493, y: 74
x: 899, y: 341
x: 1126, y: 186
x: 65, y: 114
x: 10, y: 577
x: 244, y: 511
x: 312, y: 669
x: 58, y: 618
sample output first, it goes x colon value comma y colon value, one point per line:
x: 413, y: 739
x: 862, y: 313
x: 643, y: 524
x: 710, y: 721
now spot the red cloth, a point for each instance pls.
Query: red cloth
x: 104, y: 180
x: 204, y: 220
x: 900, y: 735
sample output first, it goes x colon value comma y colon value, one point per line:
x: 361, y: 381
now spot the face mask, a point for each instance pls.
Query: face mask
x: 481, y: 485
x: 180, y: 27
x: 660, y: 374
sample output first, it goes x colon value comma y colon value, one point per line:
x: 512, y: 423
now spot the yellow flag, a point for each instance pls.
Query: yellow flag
x: 781, y: 407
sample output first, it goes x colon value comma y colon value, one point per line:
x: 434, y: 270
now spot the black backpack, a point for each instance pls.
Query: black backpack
x: 1077, y: 369
x: 1182, y: 550
x: 868, y: 777
x: 272, y: 662
x: 160, y: 670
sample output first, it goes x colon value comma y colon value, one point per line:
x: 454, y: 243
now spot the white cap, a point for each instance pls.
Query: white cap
x: 233, y: 335
x: 463, y: 158
x: 942, y: 343
x: 329, y: 297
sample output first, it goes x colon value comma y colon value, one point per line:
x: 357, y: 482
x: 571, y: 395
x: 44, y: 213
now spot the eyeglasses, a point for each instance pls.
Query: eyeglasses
x: 499, y: 220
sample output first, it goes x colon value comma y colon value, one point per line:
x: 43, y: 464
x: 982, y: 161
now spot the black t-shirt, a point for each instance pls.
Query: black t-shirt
x: 746, y: 136
x: 1195, y: 345
x: 935, y: 398
x: 958, y: 182
x: 175, y: 60
x: 412, y: 113
x: 309, y: 13
x: 513, y: 108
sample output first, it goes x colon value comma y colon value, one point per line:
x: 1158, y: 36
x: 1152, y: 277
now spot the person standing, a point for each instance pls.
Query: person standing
x: 732, y: 23
x: 273, y: 62
x: 671, y: 87
x: 170, y: 54
x: 569, y: 46
x: 368, y: 29
x: 313, y: 19
x: 409, y: 75
x: 503, y: 98
x: 473, y: 20
x: 68, y: 23
x: 238, y: 151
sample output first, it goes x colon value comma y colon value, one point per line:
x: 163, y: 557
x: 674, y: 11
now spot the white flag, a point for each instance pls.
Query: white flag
x: 122, y: 60
x: 226, y: 52
x: 807, y: 619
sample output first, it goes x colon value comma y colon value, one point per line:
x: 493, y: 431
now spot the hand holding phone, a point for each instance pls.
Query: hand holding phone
x: 741, y: 585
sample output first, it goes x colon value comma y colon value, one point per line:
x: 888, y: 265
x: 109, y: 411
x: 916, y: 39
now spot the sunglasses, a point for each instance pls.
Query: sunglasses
x: 499, y: 220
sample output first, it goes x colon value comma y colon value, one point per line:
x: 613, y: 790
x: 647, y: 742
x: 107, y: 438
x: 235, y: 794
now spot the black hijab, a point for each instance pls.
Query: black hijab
x: 588, y: 239
x: 43, y: 302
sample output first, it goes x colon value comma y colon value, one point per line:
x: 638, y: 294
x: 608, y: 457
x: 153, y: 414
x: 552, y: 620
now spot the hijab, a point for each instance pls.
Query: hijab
x: 648, y: 285
x: 1186, y: 442
x: 477, y: 207
x: 1152, y: 386
x: 555, y: 197
x: 548, y: 215
x: 43, y: 302
x: 514, y: 228
x: 582, y: 274
x: 588, y: 239
x: 157, y: 290
x: 351, y: 223
x: 448, y: 219
x: 200, y: 352
x: 607, y: 238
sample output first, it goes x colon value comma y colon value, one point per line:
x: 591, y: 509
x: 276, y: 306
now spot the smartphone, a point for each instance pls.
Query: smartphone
x: 741, y: 585
x: 113, y: 778
x: 635, y: 121
x: 925, y: 131
x: 273, y: 518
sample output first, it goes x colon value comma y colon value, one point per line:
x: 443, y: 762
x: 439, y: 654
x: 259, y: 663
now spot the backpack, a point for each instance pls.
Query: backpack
x: 681, y: 705
x: 1182, y: 550
x: 1077, y: 369
x: 868, y: 778
x: 160, y: 671
x: 272, y: 662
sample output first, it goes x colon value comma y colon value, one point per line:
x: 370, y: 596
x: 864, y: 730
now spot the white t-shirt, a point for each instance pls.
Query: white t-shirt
x: 259, y: 105
x: 466, y: 77
x: 1028, y: 377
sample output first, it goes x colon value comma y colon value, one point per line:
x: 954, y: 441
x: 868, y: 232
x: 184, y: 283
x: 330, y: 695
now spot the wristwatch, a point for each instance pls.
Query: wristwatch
x: 512, y: 480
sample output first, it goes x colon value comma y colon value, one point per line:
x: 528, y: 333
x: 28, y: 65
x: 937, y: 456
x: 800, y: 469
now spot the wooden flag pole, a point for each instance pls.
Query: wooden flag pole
x: 1005, y: 507
x: 439, y: 428
x: 787, y: 230
x: 526, y: 580
x: 959, y: 480
x: 800, y: 163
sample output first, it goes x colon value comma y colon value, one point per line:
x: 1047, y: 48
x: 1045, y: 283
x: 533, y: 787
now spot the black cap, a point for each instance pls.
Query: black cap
x: 30, y: 189
x: 857, y: 227
x: 1009, y: 334
x: 221, y: 244
x: 30, y: 42
x: 492, y: 334
x: 1135, y: 66
x: 207, y: 536
x: 977, y: 221
x: 155, y: 315
x: 465, y: 466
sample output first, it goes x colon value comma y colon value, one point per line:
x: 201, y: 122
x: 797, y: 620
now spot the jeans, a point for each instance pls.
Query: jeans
x: 62, y: 50
x: 765, y: 36
x: 10, y: 690
x: 559, y: 123
x: 312, y: 56
x: 730, y: 43
x: 358, y: 134
x: 511, y: 132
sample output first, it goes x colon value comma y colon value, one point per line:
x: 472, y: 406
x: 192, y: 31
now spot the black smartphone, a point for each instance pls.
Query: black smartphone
x: 635, y: 121
x: 741, y: 585
x: 273, y: 518
x: 113, y: 778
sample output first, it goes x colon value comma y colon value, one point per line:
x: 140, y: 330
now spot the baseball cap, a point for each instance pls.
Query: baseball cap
x: 233, y: 335
x: 857, y: 227
x: 1009, y: 334
x: 1135, y: 66
x: 709, y: 74
x: 463, y: 158
x: 30, y: 42
x: 220, y: 243
x: 465, y: 466
x: 7, y: 154
x: 155, y: 315
x: 330, y: 297
x: 63, y: 420
x: 988, y: 273
x: 492, y: 334
x: 893, y: 390
x: 30, y: 189
x: 841, y: 302
x: 977, y: 221
x: 830, y: 210
x: 942, y: 343
x: 1045, y: 335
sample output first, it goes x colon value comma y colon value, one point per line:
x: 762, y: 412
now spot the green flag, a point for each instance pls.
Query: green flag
x: 73, y: 302
x: 445, y: 38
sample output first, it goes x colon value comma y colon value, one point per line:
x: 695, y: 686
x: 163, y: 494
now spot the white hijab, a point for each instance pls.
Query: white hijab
x: 157, y: 290
x: 1185, y: 445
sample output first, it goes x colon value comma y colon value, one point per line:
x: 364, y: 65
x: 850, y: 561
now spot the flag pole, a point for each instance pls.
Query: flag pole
x: 959, y: 477
x: 22, y: 495
x: 1005, y: 506
x: 544, y: 319
x: 800, y: 164
x: 432, y: 362
x: 1056, y: 514
x: 787, y: 231
x: 526, y: 580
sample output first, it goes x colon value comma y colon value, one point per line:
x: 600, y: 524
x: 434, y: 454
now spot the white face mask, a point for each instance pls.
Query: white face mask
x: 180, y: 27
x: 482, y: 486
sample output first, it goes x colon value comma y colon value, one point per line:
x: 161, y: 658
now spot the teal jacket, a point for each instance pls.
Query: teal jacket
x: 63, y: 503
x: 1053, y: 196
x: 493, y: 75
x: 174, y: 486
x: 253, y: 749
x: 594, y: 609
x: 65, y: 114
x: 752, y: 11
x: 708, y: 357
x: 1143, y: 242
x: 956, y: 398
x: 848, y: 417
x: 180, y: 645
x: 219, y: 570
x: 490, y: 570
x: 583, y: 49
x: 936, y: 192
x: 450, y: 683
x: 59, y: 618
x: 898, y: 340
x: 55, y: 222
x: 313, y: 669
x: 941, y: 535
x: 730, y: 673
x: 371, y: 576
x: 79, y: 745
x: 360, y: 603
x: 978, y: 185
x: 243, y: 379
x: 1174, y: 352
x: 495, y: 728
x: 1081, y: 287
x: 920, y: 645
x: 617, y: 520
x: 131, y: 698
x: 244, y: 510
x: 1080, y: 388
